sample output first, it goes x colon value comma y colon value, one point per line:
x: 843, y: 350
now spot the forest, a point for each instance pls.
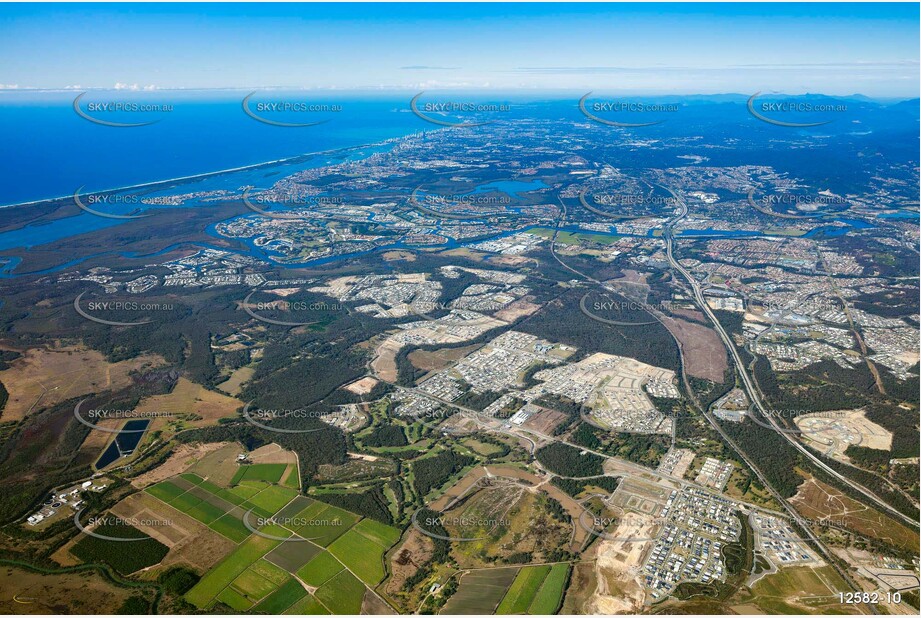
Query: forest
x: 562, y: 321
x: 371, y: 503
x: 432, y: 472
x: 142, y: 553
x: 643, y: 449
x: 568, y: 461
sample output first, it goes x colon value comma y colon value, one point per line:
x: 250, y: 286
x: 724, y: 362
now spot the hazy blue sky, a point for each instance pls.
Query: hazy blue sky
x: 643, y: 48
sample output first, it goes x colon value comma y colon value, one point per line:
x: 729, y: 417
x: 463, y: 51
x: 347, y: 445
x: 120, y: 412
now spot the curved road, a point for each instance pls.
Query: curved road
x: 747, y: 381
x: 680, y: 214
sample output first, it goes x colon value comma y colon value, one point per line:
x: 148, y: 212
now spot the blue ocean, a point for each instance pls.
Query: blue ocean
x: 49, y: 150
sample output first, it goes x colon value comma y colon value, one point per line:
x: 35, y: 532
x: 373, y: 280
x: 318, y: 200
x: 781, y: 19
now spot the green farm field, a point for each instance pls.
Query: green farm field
x: 271, y: 473
x: 266, y: 575
x: 342, y: 594
x: 307, y: 606
x: 320, y: 570
x: 363, y: 557
x: 284, y: 597
x: 548, y: 598
x: 203, y: 594
x: 324, y: 523
x: 519, y: 596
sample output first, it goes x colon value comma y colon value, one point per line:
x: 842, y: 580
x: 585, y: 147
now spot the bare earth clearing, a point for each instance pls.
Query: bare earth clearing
x: 47, y: 376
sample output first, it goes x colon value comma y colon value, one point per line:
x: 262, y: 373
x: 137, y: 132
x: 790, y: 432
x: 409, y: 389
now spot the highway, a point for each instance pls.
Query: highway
x: 749, y: 387
x: 747, y: 381
x: 698, y: 296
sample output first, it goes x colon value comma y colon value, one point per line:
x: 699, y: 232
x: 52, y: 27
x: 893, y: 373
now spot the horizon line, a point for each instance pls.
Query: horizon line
x: 454, y: 89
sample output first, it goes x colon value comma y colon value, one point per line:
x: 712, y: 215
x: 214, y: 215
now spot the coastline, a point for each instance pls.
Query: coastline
x: 231, y: 170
